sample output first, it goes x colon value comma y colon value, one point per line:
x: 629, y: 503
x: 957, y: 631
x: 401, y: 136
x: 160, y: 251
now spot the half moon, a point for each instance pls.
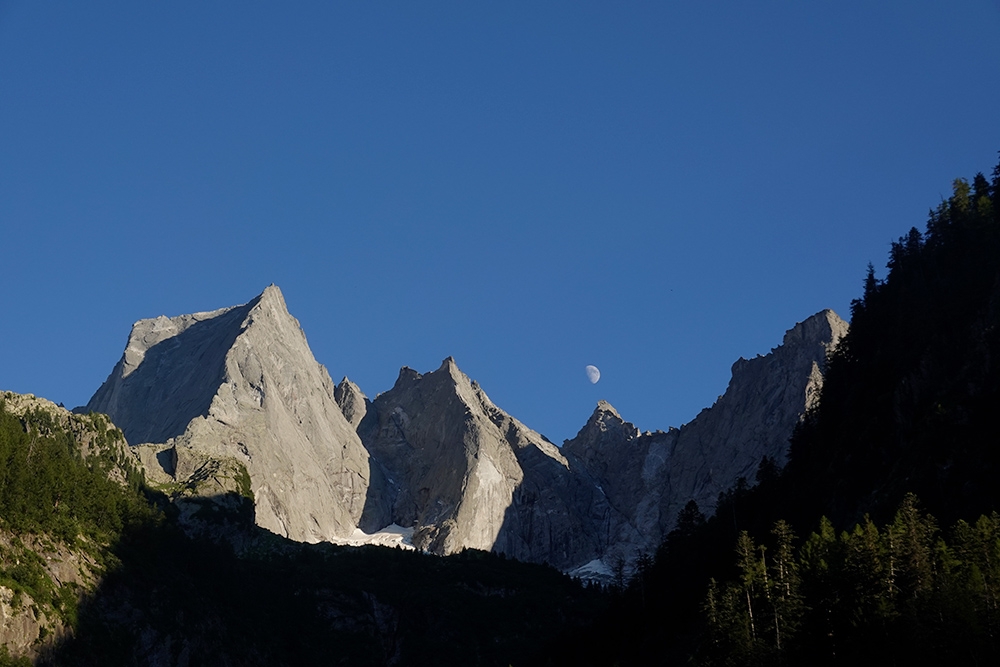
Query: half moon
x: 593, y: 374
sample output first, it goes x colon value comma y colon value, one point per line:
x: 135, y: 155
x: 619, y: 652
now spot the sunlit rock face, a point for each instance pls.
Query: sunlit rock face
x: 352, y: 401
x: 210, y: 395
x: 465, y: 474
x: 648, y: 478
x: 231, y: 403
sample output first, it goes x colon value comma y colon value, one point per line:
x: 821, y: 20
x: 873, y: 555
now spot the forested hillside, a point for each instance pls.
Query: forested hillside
x: 59, y: 473
x: 912, y: 393
x: 68, y: 490
x: 880, y: 538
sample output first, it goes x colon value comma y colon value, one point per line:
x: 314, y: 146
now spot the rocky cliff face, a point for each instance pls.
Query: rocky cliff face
x: 648, y: 478
x: 465, y: 474
x: 630, y: 469
x: 30, y: 627
x: 765, y: 399
x: 232, y: 402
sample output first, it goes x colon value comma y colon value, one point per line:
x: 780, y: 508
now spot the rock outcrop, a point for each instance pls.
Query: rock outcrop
x: 232, y: 402
x: 648, y: 478
x: 30, y: 627
x: 352, y: 401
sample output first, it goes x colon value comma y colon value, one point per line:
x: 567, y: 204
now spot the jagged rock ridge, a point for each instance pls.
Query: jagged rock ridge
x: 232, y: 401
x: 464, y: 474
x: 649, y: 477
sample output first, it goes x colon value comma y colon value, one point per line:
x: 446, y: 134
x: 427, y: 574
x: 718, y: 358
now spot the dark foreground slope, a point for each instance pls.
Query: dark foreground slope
x: 151, y: 595
x: 913, y: 393
x: 174, y: 600
x: 890, y: 550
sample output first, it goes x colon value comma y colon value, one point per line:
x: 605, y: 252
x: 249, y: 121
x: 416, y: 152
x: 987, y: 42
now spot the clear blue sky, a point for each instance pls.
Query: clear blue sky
x: 655, y: 188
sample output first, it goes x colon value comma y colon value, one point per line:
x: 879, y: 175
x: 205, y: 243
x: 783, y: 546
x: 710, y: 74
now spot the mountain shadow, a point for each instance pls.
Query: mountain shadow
x: 176, y: 599
x: 169, y: 374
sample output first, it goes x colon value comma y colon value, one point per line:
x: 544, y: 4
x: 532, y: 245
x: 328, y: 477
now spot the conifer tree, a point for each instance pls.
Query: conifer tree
x: 786, y: 597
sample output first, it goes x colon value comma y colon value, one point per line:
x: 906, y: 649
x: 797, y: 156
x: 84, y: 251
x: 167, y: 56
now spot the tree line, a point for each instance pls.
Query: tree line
x: 907, y: 593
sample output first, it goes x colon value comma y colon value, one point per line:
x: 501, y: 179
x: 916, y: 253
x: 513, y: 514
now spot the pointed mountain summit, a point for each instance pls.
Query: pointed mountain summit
x: 629, y: 468
x: 232, y: 400
x: 465, y: 474
x: 605, y: 428
x: 352, y: 401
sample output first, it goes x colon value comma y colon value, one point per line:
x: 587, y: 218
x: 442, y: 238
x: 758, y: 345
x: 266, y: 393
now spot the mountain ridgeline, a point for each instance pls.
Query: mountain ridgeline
x: 836, y: 505
x: 230, y: 404
x: 208, y: 528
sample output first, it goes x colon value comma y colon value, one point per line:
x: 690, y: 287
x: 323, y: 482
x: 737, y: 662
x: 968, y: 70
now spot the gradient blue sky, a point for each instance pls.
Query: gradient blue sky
x: 656, y: 188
